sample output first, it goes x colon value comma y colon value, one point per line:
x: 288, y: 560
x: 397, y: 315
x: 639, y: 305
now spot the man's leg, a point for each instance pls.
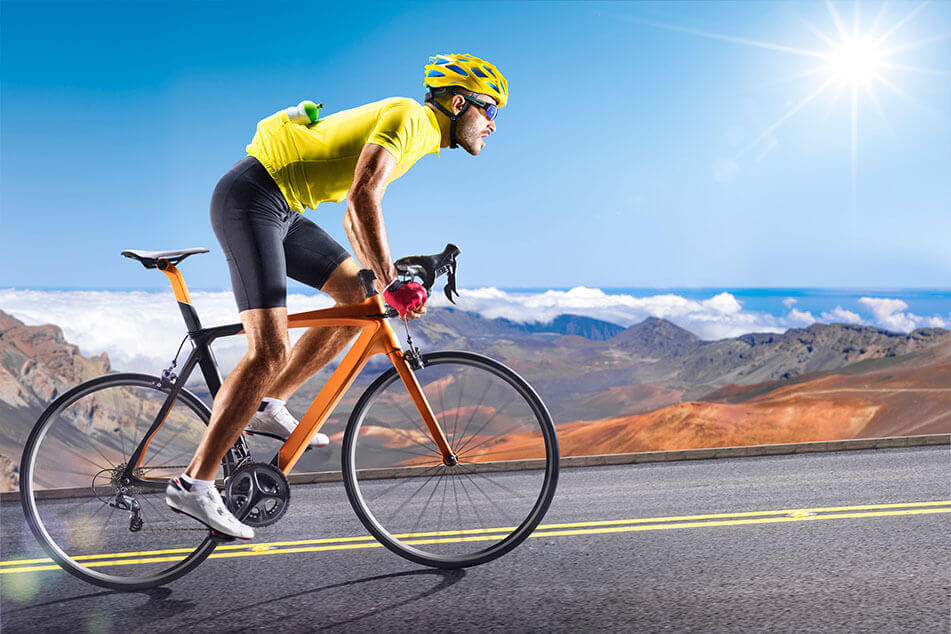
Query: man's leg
x: 242, y: 390
x: 318, y: 346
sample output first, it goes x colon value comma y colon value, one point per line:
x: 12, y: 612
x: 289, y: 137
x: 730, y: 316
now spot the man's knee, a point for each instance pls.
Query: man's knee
x: 269, y: 358
x: 344, y: 284
x: 268, y: 340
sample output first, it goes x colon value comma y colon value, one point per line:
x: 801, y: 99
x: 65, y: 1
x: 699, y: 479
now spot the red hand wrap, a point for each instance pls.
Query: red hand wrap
x: 409, y: 296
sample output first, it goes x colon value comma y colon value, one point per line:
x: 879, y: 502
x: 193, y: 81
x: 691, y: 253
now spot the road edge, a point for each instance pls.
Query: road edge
x: 677, y: 455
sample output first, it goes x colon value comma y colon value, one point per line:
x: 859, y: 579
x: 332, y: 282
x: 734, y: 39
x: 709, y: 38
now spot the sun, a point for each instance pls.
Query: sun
x: 856, y: 61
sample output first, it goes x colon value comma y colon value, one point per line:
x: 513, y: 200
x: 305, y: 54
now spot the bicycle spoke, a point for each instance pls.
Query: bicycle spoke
x: 168, y: 441
x: 488, y: 422
x: 455, y: 496
x: 404, y: 434
x: 455, y: 423
x: 403, y: 451
x: 479, y: 404
x: 125, y: 455
x: 410, y: 418
x: 467, y: 449
x: 490, y: 499
x: 442, y: 504
x: 98, y: 467
x: 400, y: 481
x: 86, y: 436
x: 425, y: 506
x: 415, y: 493
x: 475, y: 408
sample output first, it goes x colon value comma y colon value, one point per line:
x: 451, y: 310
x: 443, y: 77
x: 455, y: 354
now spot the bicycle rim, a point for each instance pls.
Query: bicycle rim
x: 72, y: 495
x: 461, y: 515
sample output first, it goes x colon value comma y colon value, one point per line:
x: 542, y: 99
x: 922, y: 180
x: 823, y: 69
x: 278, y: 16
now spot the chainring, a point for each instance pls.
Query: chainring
x: 257, y: 493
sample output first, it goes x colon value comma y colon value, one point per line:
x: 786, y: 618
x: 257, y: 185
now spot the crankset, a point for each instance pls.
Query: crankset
x: 257, y: 493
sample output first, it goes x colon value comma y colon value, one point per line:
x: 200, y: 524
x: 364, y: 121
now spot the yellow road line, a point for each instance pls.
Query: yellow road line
x: 472, y: 535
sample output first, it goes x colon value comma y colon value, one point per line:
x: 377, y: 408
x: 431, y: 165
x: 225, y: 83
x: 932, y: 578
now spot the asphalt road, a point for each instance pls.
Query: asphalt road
x: 860, y: 567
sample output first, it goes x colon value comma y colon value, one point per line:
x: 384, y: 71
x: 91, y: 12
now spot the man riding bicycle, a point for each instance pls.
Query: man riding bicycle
x: 257, y: 215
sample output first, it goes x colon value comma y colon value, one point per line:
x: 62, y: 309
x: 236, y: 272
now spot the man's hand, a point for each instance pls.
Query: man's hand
x: 408, y: 298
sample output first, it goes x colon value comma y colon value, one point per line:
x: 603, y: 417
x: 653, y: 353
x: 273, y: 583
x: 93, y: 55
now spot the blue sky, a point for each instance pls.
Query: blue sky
x: 635, y: 152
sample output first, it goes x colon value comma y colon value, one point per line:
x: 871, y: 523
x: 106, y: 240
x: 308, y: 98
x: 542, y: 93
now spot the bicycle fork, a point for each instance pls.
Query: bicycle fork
x: 419, y: 399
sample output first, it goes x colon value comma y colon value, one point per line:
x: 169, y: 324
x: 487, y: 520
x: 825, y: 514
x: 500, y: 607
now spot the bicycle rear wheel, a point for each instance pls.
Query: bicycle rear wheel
x: 461, y: 515
x: 104, y: 532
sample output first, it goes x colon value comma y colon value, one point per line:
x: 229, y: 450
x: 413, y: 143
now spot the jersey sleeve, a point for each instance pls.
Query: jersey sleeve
x: 396, y: 128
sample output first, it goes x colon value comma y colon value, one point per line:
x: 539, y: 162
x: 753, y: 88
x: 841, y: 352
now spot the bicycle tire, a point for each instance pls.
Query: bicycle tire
x: 74, y: 437
x: 517, y: 452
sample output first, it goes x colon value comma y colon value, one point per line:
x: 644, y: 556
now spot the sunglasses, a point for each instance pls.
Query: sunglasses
x: 491, y: 110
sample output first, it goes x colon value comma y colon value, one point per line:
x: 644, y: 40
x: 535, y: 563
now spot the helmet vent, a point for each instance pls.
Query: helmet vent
x: 458, y: 69
x: 478, y: 72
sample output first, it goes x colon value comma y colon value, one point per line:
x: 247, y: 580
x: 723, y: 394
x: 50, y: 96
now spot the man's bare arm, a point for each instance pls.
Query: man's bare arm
x: 363, y: 221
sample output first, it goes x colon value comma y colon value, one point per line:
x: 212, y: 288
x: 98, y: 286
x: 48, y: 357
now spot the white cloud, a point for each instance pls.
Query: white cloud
x: 141, y: 330
x: 890, y: 314
x: 839, y: 315
x: 801, y: 317
x: 789, y: 302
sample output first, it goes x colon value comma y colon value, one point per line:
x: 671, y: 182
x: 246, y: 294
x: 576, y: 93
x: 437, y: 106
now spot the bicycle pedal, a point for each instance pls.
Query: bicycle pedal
x: 221, y: 538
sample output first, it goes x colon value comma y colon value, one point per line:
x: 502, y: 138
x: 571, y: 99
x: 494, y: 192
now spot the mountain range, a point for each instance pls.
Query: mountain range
x: 610, y: 389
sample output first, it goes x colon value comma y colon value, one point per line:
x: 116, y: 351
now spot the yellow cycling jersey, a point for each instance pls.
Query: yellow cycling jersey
x: 315, y: 163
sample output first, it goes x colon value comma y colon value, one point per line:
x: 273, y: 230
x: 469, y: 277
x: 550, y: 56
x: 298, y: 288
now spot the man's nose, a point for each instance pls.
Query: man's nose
x: 491, y: 125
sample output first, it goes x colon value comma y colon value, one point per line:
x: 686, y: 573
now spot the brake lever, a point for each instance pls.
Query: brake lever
x: 450, y: 287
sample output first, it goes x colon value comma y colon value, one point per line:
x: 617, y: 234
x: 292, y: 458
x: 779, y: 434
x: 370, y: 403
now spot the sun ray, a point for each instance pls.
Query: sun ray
x: 938, y: 116
x: 855, y: 153
x: 815, y: 31
x: 914, y: 45
x: 818, y: 70
x: 835, y: 99
x: 766, y: 150
x: 855, y: 62
x: 876, y: 103
x: 917, y: 69
x: 726, y: 38
x: 878, y: 18
x: 837, y: 21
x: 783, y: 118
x: 900, y: 23
x: 856, y: 19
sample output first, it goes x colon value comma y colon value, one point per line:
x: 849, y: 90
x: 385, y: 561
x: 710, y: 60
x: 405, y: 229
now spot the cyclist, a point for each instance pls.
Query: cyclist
x: 256, y: 213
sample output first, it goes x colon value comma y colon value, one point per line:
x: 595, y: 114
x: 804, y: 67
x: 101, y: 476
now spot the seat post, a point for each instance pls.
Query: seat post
x: 181, y: 294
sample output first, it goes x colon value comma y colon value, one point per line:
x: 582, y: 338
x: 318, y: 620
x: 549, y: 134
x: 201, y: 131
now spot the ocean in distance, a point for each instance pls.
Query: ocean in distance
x: 141, y: 328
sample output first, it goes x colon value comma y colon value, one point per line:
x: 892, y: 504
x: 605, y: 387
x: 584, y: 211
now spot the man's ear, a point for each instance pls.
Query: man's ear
x: 457, y: 103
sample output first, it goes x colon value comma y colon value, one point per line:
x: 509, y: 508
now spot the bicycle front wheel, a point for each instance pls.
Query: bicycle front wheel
x: 468, y: 513
x: 96, y: 527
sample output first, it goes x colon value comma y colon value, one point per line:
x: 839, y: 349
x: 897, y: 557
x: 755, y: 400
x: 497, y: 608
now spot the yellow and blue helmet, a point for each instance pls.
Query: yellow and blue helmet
x: 468, y: 72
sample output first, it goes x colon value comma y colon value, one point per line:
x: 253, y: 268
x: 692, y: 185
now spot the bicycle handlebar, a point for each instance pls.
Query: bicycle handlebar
x: 425, y: 269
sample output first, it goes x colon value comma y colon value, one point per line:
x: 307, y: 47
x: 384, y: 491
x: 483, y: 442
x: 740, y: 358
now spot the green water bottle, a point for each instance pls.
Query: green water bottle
x: 304, y: 113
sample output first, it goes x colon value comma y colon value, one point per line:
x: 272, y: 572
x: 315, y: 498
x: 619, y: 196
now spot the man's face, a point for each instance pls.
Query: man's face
x: 473, y: 127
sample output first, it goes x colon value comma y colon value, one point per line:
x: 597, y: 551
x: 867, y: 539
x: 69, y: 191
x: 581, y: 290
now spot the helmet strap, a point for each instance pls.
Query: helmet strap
x: 453, y: 118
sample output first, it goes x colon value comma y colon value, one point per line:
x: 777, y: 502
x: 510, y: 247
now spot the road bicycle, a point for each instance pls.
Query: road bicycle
x: 450, y: 459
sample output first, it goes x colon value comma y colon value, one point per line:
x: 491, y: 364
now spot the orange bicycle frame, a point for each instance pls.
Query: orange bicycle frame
x: 377, y: 337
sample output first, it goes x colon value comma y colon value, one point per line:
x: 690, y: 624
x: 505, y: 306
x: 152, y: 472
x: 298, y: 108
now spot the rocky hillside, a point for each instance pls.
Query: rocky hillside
x: 656, y: 363
x: 646, y: 383
x: 36, y: 365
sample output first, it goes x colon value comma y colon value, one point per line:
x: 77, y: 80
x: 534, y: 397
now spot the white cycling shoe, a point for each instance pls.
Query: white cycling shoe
x: 275, y: 420
x: 206, y: 506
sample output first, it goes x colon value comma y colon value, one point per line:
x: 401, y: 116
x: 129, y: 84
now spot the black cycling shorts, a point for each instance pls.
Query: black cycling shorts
x: 265, y: 241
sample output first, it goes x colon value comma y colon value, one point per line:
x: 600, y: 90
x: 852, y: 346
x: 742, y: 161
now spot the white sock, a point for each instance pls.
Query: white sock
x: 197, y: 485
x: 271, y: 403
